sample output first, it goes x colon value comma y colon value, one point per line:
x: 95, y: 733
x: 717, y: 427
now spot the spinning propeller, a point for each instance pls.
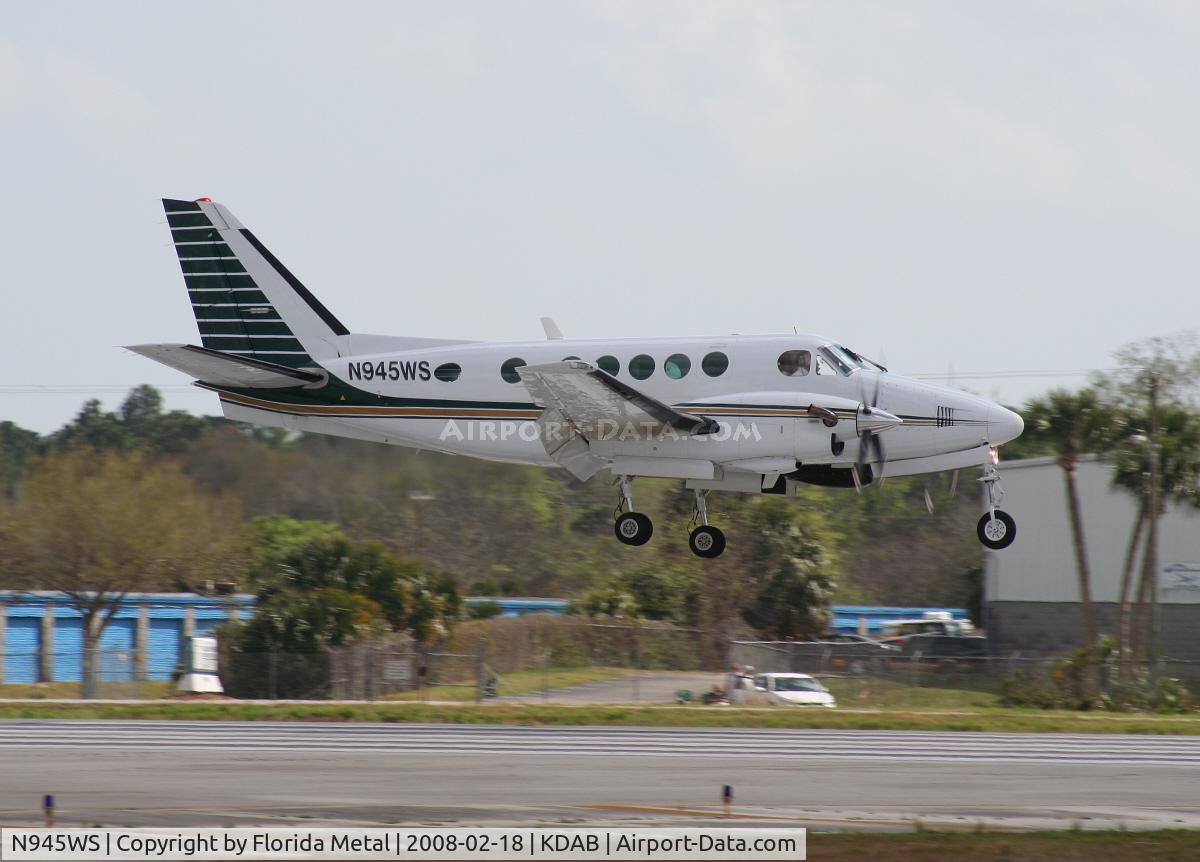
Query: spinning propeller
x: 871, y: 421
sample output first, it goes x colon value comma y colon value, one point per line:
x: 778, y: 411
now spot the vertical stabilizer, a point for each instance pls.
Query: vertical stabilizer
x: 246, y: 302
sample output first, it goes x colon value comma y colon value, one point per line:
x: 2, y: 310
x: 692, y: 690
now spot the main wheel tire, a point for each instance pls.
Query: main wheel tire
x: 998, y: 532
x: 634, y: 528
x: 707, y: 542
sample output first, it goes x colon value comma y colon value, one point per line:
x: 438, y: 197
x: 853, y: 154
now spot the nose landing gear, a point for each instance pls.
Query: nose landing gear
x: 631, y: 528
x: 705, y: 540
x: 996, y: 528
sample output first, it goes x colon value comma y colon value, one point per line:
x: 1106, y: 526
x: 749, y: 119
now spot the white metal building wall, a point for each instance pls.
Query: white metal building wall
x: 1040, y: 565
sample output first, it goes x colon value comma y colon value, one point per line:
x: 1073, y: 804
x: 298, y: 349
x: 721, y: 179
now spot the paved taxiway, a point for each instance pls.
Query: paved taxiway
x: 223, y: 773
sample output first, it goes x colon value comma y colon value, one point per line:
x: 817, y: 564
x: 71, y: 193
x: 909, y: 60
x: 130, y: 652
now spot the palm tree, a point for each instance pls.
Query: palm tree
x: 1072, y: 424
x: 1158, y: 458
x: 1178, y: 473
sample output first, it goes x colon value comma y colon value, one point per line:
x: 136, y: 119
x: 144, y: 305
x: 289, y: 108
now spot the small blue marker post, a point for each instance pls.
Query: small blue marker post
x: 48, y: 810
x: 727, y: 797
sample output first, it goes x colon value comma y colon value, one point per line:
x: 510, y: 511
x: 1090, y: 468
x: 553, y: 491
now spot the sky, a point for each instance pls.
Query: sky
x: 966, y: 189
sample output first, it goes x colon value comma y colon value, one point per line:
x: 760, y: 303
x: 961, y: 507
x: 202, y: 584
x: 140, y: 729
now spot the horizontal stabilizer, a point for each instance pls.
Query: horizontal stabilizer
x: 221, y: 369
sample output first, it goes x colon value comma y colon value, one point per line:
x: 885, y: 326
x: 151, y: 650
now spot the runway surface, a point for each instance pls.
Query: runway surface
x: 223, y: 773
x: 1094, y: 749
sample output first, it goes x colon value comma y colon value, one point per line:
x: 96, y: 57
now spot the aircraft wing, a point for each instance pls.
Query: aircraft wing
x: 583, y: 404
x: 222, y: 369
x: 594, y: 401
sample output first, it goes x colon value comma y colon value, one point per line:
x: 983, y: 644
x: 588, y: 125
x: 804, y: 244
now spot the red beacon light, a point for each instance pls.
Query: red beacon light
x: 203, y: 200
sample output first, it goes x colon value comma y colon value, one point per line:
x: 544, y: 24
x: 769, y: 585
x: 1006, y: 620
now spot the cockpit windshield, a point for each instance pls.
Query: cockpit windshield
x: 862, y: 361
x: 844, y: 361
x: 833, y: 357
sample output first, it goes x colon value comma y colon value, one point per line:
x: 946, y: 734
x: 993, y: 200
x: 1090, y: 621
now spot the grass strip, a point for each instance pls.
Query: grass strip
x: 993, y: 720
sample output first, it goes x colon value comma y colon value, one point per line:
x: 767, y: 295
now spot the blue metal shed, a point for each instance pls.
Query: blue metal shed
x: 22, y: 643
x: 43, y: 634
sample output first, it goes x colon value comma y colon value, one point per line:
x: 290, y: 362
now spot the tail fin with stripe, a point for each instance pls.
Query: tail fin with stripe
x: 246, y: 302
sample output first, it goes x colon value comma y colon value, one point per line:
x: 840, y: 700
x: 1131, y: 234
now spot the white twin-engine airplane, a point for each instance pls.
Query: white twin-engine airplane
x: 756, y: 414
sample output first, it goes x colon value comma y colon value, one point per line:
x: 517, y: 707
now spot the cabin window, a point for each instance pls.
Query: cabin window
x: 609, y: 365
x: 641, y: 366
x: 677, y: 366
x: 509, y: 370
x: 795, y: 363
x: 448, y: 373
x: 715, y: 363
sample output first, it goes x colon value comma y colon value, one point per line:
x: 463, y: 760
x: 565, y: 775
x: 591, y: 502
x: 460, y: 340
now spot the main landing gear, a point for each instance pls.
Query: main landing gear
x: 705, y: 540
x: 635, y: 528
x: 996, y: 528
x: 632, y: 528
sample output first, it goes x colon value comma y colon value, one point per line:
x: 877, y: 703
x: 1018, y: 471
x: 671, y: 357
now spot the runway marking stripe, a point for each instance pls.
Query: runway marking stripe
x: 608, y: 752
x: 292, y: 727
x: 10, y: 736
x: 609, y: 742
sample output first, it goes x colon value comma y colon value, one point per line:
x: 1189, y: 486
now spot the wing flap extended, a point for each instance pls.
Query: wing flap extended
x: 584, y: 404
x: 595, y: 403
x: 222, y: 369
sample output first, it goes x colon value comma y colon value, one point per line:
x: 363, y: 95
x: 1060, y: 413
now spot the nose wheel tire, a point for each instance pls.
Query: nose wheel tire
x: 707, y: 542
x: 998, y: 532
x: 633, y: 528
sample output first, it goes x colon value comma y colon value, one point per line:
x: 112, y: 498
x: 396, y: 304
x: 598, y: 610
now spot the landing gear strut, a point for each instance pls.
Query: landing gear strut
x: 996, y: 528
x: 631, y: 528
x: 705, y: 541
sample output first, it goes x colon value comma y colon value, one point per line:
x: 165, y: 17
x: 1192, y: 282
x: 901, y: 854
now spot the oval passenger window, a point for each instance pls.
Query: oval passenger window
x: 509, y: 369
x: 448, y: 373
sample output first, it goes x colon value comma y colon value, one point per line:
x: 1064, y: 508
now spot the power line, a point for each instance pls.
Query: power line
x: 989, y: 375
x: 86, y: 388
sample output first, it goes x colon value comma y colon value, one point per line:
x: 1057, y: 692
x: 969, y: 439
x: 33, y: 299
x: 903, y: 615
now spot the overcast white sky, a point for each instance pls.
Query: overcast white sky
x: 983, y: 187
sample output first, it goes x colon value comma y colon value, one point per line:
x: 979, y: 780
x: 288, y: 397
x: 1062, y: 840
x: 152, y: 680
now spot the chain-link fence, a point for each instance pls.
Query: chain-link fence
x: 367, y: 670
x: 118, y: 674
x: 276, y: 675
x: 576, y: 661
x: 372, y: 669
